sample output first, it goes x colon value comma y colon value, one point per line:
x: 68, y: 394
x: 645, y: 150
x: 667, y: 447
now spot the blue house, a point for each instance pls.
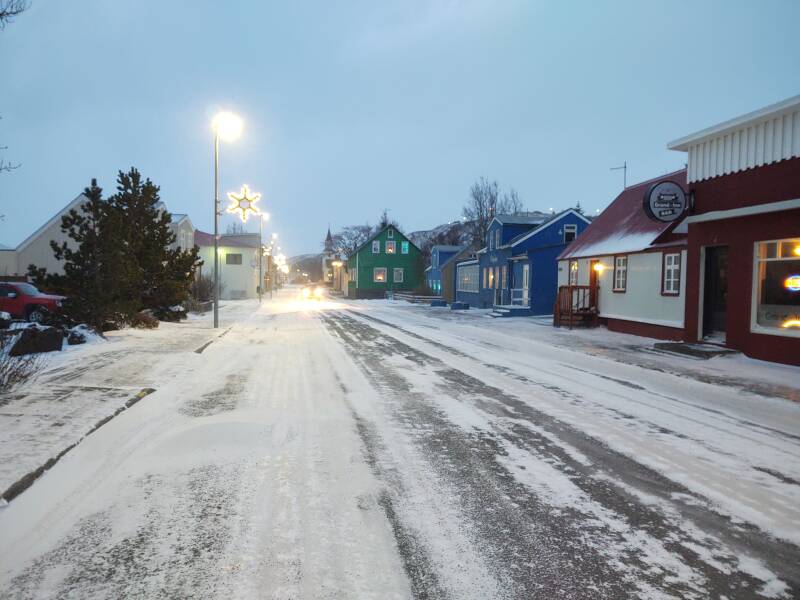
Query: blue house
x: 517, y: 270
x: 439, y: 256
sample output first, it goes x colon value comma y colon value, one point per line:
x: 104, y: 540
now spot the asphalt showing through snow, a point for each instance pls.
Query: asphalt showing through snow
x: 540, y: 550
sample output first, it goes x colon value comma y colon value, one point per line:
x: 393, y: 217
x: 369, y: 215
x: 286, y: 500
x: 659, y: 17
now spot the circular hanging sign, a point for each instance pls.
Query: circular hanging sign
x: 665, y: 201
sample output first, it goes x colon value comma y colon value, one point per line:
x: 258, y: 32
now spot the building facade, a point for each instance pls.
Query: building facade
x: 238, y: 263
x: 439, y: 256
x: 387, y: 261
x: 743, y: 256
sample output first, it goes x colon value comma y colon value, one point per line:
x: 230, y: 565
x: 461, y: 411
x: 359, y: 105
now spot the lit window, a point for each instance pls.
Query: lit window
x: 376, y: 247
x: 397, y: 275
x: 390, y: 247
x: 379, y: 274
x: 233, y: 259
x: 777, y: 286
x: 570, y: 233
x: 620, y: 273
x: 671, y: 285
x: 491, y: 278
x: 573, y: 272
x: 404, y: 247
x: 467, y: 278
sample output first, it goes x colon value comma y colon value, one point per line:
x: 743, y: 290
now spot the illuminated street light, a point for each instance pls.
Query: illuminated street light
x: 227, y: 126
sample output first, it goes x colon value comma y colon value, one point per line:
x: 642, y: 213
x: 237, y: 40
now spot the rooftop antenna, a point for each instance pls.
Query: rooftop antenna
x: 624, y: 168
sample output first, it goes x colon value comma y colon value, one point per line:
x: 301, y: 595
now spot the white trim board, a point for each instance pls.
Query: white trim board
x: 745, y: 211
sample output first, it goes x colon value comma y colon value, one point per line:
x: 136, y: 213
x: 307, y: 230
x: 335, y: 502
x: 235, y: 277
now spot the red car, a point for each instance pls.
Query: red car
x: 24, y: 301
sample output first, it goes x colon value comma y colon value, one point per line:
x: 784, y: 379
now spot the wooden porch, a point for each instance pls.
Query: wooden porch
x: 576, y: 306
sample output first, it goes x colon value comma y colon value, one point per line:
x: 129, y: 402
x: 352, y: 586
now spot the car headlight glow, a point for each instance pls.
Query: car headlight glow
x: 306, y: 293
x: 319, y: 292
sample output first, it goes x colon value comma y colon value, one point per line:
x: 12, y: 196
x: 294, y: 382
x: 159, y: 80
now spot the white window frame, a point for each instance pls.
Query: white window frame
x: 403, y: 247
x: 375, y: 271
x: 395, y: 271
x: 570, y: 228
x: 620, y: 273
x: 754, y: 325
x: 390, y: 233
x: 670, y: 283
x: 498, y: 240
x: 468, y: 278
x: 393, y: 247
x: 573, y: 273
x: 376, y: 246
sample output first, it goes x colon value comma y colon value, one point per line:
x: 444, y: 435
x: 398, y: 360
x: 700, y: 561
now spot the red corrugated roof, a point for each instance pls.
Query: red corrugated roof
x: 624, y: 226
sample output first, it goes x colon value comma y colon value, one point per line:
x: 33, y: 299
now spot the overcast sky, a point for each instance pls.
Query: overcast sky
x: 352, y: 107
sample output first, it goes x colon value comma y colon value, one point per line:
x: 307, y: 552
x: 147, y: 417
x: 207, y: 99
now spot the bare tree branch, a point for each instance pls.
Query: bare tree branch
x: 10, y: 9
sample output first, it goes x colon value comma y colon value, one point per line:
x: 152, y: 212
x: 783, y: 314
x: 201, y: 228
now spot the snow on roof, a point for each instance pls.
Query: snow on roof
x: 624, y: 226
x: 531, y: 218
x: 442, y: 248
x: 231, y: 240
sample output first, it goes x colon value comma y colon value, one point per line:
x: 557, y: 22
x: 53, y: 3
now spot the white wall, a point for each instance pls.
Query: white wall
x: 642, y: 300
x: 240, y: 281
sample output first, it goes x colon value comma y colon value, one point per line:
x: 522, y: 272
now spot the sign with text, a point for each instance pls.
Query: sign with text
x: 665, y: 201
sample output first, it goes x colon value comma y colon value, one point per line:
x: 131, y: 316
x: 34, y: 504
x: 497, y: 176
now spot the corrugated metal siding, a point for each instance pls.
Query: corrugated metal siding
x: 773, y: 139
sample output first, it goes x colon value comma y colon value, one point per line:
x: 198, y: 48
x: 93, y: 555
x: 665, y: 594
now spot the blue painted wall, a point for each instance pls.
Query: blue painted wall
x: 434, y: 275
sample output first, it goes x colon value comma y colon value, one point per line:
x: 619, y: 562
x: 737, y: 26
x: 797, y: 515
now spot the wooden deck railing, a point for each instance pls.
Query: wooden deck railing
x: 576, y: 305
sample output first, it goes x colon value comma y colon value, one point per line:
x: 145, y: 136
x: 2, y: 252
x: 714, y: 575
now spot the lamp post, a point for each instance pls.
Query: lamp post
x: 228, y: 127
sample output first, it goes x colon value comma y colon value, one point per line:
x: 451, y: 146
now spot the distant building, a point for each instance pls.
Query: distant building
x: 387, y: 261
x: 238, y: 263
x: 328, y: 257
x: 439, y: 256
x: 36, y: 249
x: 516, y: 272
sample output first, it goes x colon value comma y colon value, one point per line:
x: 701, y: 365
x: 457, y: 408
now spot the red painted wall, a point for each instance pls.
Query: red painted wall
x: 773, y: 183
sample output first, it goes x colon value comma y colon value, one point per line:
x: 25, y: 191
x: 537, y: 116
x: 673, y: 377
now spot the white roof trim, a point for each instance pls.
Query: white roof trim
x: 745, y: 211
x: 79, y: 199
x: 735, y: 123
x: 473, y: 261
x: 551, y: 222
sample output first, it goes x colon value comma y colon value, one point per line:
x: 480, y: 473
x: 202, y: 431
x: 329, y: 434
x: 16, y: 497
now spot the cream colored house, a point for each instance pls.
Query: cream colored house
x: 36, y: 249
x: 238, y: 263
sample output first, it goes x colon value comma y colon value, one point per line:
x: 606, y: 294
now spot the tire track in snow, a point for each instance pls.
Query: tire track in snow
x: 722, y: 537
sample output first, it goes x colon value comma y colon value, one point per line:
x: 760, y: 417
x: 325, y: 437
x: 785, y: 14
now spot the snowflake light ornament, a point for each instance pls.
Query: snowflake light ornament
x: 244, y: 203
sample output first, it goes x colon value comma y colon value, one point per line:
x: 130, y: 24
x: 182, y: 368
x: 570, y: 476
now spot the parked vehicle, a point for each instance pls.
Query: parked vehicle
x: 24, y: 301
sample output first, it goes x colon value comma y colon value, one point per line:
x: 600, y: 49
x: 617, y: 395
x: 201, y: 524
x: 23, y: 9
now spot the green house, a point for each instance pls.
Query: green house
x: 387, y: 261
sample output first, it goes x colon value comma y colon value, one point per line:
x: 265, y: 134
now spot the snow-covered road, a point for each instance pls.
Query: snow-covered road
x: 381, y: 450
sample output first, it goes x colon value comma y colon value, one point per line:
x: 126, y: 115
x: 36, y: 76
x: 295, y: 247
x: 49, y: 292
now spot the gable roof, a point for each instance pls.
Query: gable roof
x: 231, y: 240
x: 458, y: 255
x: 553, y: 218
x: 443, y: 248
x: 531, y: 218
x: 377, y: 233
x: 624, y: 226
x: 77, y: 201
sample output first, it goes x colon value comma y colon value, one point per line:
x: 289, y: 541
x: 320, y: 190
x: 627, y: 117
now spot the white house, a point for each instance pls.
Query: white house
x: 632, y: 265
x: 36, y: 249
x: 238, y: 262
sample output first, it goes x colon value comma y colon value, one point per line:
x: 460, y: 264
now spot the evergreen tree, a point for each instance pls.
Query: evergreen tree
x: 95, y: 265
x: 164, y: 274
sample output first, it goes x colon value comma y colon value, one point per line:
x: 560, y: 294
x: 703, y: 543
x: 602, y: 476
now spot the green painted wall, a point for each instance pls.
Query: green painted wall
x: 365, y: 261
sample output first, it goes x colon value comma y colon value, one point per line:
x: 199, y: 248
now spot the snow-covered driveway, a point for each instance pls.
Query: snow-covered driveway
x: 378, y: 450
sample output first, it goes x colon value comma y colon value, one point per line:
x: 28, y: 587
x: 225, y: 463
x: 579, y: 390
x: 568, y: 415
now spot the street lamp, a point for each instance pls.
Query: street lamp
x: 227, y: 126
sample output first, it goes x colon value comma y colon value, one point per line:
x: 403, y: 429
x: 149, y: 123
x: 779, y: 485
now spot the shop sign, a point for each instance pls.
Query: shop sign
x: 665, y: 201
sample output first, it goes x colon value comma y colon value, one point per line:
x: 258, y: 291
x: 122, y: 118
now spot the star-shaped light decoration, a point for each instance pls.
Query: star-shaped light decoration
x: 244, y: 203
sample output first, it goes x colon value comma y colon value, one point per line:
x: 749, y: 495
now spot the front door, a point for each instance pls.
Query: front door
x: 593, y: 279
x: 526, y: 278
x: 715, y: 292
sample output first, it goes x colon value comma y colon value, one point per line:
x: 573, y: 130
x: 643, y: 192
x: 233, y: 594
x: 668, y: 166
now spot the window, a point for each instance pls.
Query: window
x: 504, y: 277
x: 404, y: 247
x: 570, y: 233
x: 497, y: 241
x: 490, y: 241
x: 776, y: 286
x: 671, y: 275
x: 573, y: 272
x: 485, y: 278
x: 390, y: 247
x: 397, y: 275
x: 467, y: 280
x: 620, y: 273
x: 379, y: 274
x: 376, y: 246
x: 491, y: 278
x: 390, y: 233
x: 233, y: 259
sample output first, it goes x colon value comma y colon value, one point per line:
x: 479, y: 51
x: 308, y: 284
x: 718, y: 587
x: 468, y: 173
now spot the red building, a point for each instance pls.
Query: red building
x: 743, y: 260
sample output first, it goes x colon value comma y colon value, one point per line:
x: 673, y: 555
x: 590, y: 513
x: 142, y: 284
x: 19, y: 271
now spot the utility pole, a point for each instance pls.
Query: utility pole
x: 624, y: 169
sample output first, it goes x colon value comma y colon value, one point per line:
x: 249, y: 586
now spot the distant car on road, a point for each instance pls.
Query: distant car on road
x: 312, y: 293
x: 24, y: 301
